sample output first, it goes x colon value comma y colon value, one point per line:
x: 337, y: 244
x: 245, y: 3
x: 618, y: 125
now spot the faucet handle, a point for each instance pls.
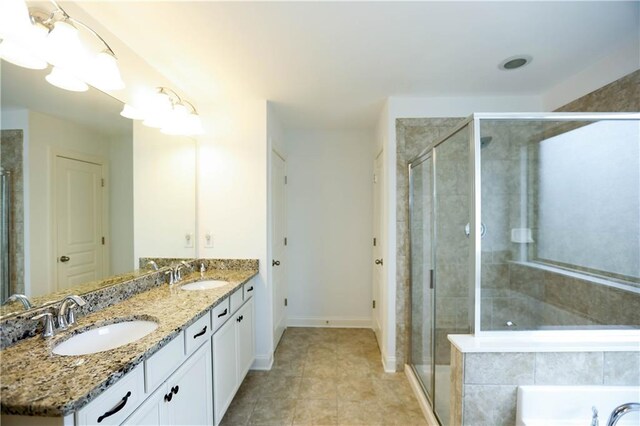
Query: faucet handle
x: 47, y: 323
x: 171, y: 274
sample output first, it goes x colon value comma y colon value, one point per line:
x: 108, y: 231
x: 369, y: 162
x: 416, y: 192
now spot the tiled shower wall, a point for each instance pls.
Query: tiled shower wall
x: 413, y: 136
x: 11, y: 154
x: 509, y: 295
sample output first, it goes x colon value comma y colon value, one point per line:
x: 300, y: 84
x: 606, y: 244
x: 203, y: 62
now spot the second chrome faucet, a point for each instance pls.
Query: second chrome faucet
x: 65, y: 316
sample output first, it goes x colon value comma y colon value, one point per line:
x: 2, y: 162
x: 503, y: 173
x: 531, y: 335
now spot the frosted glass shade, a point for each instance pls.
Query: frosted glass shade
x: 65, y: 80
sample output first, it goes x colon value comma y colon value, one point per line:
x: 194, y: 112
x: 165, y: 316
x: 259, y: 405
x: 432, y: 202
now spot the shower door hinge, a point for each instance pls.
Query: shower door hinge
x: 375, y: 241
x: 375, y: 178
x: 285, y: 241
x: 286, y: 302
x: 374, y: 304
x: 102, y: 240
x: 430, y: 278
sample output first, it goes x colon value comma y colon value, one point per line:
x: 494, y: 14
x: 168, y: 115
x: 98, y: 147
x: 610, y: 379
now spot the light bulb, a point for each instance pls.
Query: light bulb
x: 130, y: 112
x: 65, y: 48
x: 104, y: 72
x: 20, y: 55
x: 14, y: 18
x: 63, y: 79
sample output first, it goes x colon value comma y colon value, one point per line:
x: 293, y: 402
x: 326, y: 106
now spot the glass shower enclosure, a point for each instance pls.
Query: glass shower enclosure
x: 522, y: 223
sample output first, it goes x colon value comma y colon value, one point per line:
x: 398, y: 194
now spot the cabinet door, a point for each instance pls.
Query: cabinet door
x: 191, y: 402
x: 224, y: 367
x: 245, y: 339
x: 150, y: 412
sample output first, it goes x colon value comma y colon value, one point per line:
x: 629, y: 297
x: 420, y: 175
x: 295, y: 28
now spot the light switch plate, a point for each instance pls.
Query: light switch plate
x: 208, y: 240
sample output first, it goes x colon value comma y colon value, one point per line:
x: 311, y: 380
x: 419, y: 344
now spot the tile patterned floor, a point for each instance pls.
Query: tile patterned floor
x: 325, y: 376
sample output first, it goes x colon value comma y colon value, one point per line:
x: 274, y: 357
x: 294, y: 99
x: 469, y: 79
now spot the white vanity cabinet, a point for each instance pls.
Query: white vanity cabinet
x: 233, y: 353
x: 185, y: 398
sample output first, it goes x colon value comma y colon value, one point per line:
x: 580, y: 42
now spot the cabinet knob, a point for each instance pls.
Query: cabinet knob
x: 175, y: 389
x: 275, y: 263
x: 168, y: 397
x: 378, y: 261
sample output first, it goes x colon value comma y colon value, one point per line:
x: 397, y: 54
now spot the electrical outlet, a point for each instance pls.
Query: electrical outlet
x: 208, y: 240
x: 188, y: 240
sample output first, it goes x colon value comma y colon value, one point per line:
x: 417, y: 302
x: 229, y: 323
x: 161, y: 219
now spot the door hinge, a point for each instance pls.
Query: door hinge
x: 286, y: 180
x: 431, y: 278
x: 286, y: 302
x: 102, y: 182
x: 375, y: 178
x: 285, y: 241
x: 374, y: 304
x: 375, y: 241
x: 102, y: 240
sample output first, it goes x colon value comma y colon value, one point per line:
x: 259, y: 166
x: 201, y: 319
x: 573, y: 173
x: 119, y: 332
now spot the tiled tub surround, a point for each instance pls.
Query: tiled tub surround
x: 485, y: 375
x: 38, y: 383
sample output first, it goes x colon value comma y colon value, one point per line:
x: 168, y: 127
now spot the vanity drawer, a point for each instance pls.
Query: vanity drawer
x: 236, y: 300
x: 249, y: 290
x: 115, y: 404
x: 220, y: 314
x: 197, y: 333
x: 163, y: 363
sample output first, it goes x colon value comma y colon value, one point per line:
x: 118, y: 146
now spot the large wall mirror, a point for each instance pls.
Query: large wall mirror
x: 85, y: 192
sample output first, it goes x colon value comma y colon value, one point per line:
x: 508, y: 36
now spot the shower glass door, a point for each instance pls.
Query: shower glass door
x: 421, y: 218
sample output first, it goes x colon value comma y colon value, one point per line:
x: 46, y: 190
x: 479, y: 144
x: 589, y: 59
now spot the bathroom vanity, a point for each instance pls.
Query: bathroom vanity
x: 186, y: 371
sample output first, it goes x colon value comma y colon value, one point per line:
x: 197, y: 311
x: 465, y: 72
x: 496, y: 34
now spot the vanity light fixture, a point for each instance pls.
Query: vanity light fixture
x: 166, y: 110
x: 34, y: 38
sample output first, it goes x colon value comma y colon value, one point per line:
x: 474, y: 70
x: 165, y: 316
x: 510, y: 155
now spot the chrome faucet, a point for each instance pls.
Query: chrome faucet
x: 48, y: 330
x: 177, y: 271
x: 621, y: 410
x: 66, y: 317
x: 172, y: 276
x: 594, y: 417
x: 153, y: 265
x: 22, y: 298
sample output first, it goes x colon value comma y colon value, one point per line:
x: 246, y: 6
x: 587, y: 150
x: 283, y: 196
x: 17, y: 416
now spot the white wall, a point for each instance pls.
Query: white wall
x: 330, y: 220
x: 232, y: 201
x: 120, y: 185
x: 622, y: 60
x: 164, y: 193
x: 48, y: 135
x: 408, y: 107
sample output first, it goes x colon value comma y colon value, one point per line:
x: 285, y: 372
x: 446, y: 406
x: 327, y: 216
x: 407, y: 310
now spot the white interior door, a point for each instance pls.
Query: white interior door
x: 378, y: 261
x: 278, y: 233
x: 79, y: 219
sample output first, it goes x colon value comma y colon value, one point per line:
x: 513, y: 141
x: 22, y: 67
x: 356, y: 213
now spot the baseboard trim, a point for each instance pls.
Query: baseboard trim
x: 421, y: 397
x: 389, y: 364
x: 262, y: 362
x: 330, y: 322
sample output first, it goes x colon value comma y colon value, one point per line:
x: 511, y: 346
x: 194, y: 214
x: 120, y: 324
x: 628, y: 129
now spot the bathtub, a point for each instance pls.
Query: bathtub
x: 571, y: 405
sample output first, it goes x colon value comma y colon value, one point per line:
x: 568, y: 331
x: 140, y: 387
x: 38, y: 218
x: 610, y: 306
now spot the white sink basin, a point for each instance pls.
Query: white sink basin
x: 204, y: 285
x: 105, y: 338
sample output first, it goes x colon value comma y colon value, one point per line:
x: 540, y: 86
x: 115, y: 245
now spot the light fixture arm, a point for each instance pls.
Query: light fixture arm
x: 68, y: 17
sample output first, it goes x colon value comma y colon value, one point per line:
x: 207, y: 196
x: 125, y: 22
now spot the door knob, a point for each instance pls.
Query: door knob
x: 378, y: 262
x: 64, y: 259
x: 275, y: 263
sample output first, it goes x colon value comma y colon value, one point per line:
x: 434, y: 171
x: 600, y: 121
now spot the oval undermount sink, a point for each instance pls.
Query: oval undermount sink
x: 105, y: 338
x: 204, y: 285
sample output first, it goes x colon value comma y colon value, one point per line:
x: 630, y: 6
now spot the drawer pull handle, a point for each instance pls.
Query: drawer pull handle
x: 223, y: 313
x: 115, y: 409
x: 250, y: 289
x: 168, y: 397
x: 175, y: 389
x: 204, y: 330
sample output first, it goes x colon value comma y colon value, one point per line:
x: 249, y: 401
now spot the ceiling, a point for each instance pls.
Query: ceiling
x: 331, y: 64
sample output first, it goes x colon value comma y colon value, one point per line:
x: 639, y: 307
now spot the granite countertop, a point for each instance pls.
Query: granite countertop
x: 36, y: 382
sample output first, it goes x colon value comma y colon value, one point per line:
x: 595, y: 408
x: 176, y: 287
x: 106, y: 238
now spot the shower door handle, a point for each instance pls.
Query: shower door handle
x: 64, y: 259
x: 379, y: 262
